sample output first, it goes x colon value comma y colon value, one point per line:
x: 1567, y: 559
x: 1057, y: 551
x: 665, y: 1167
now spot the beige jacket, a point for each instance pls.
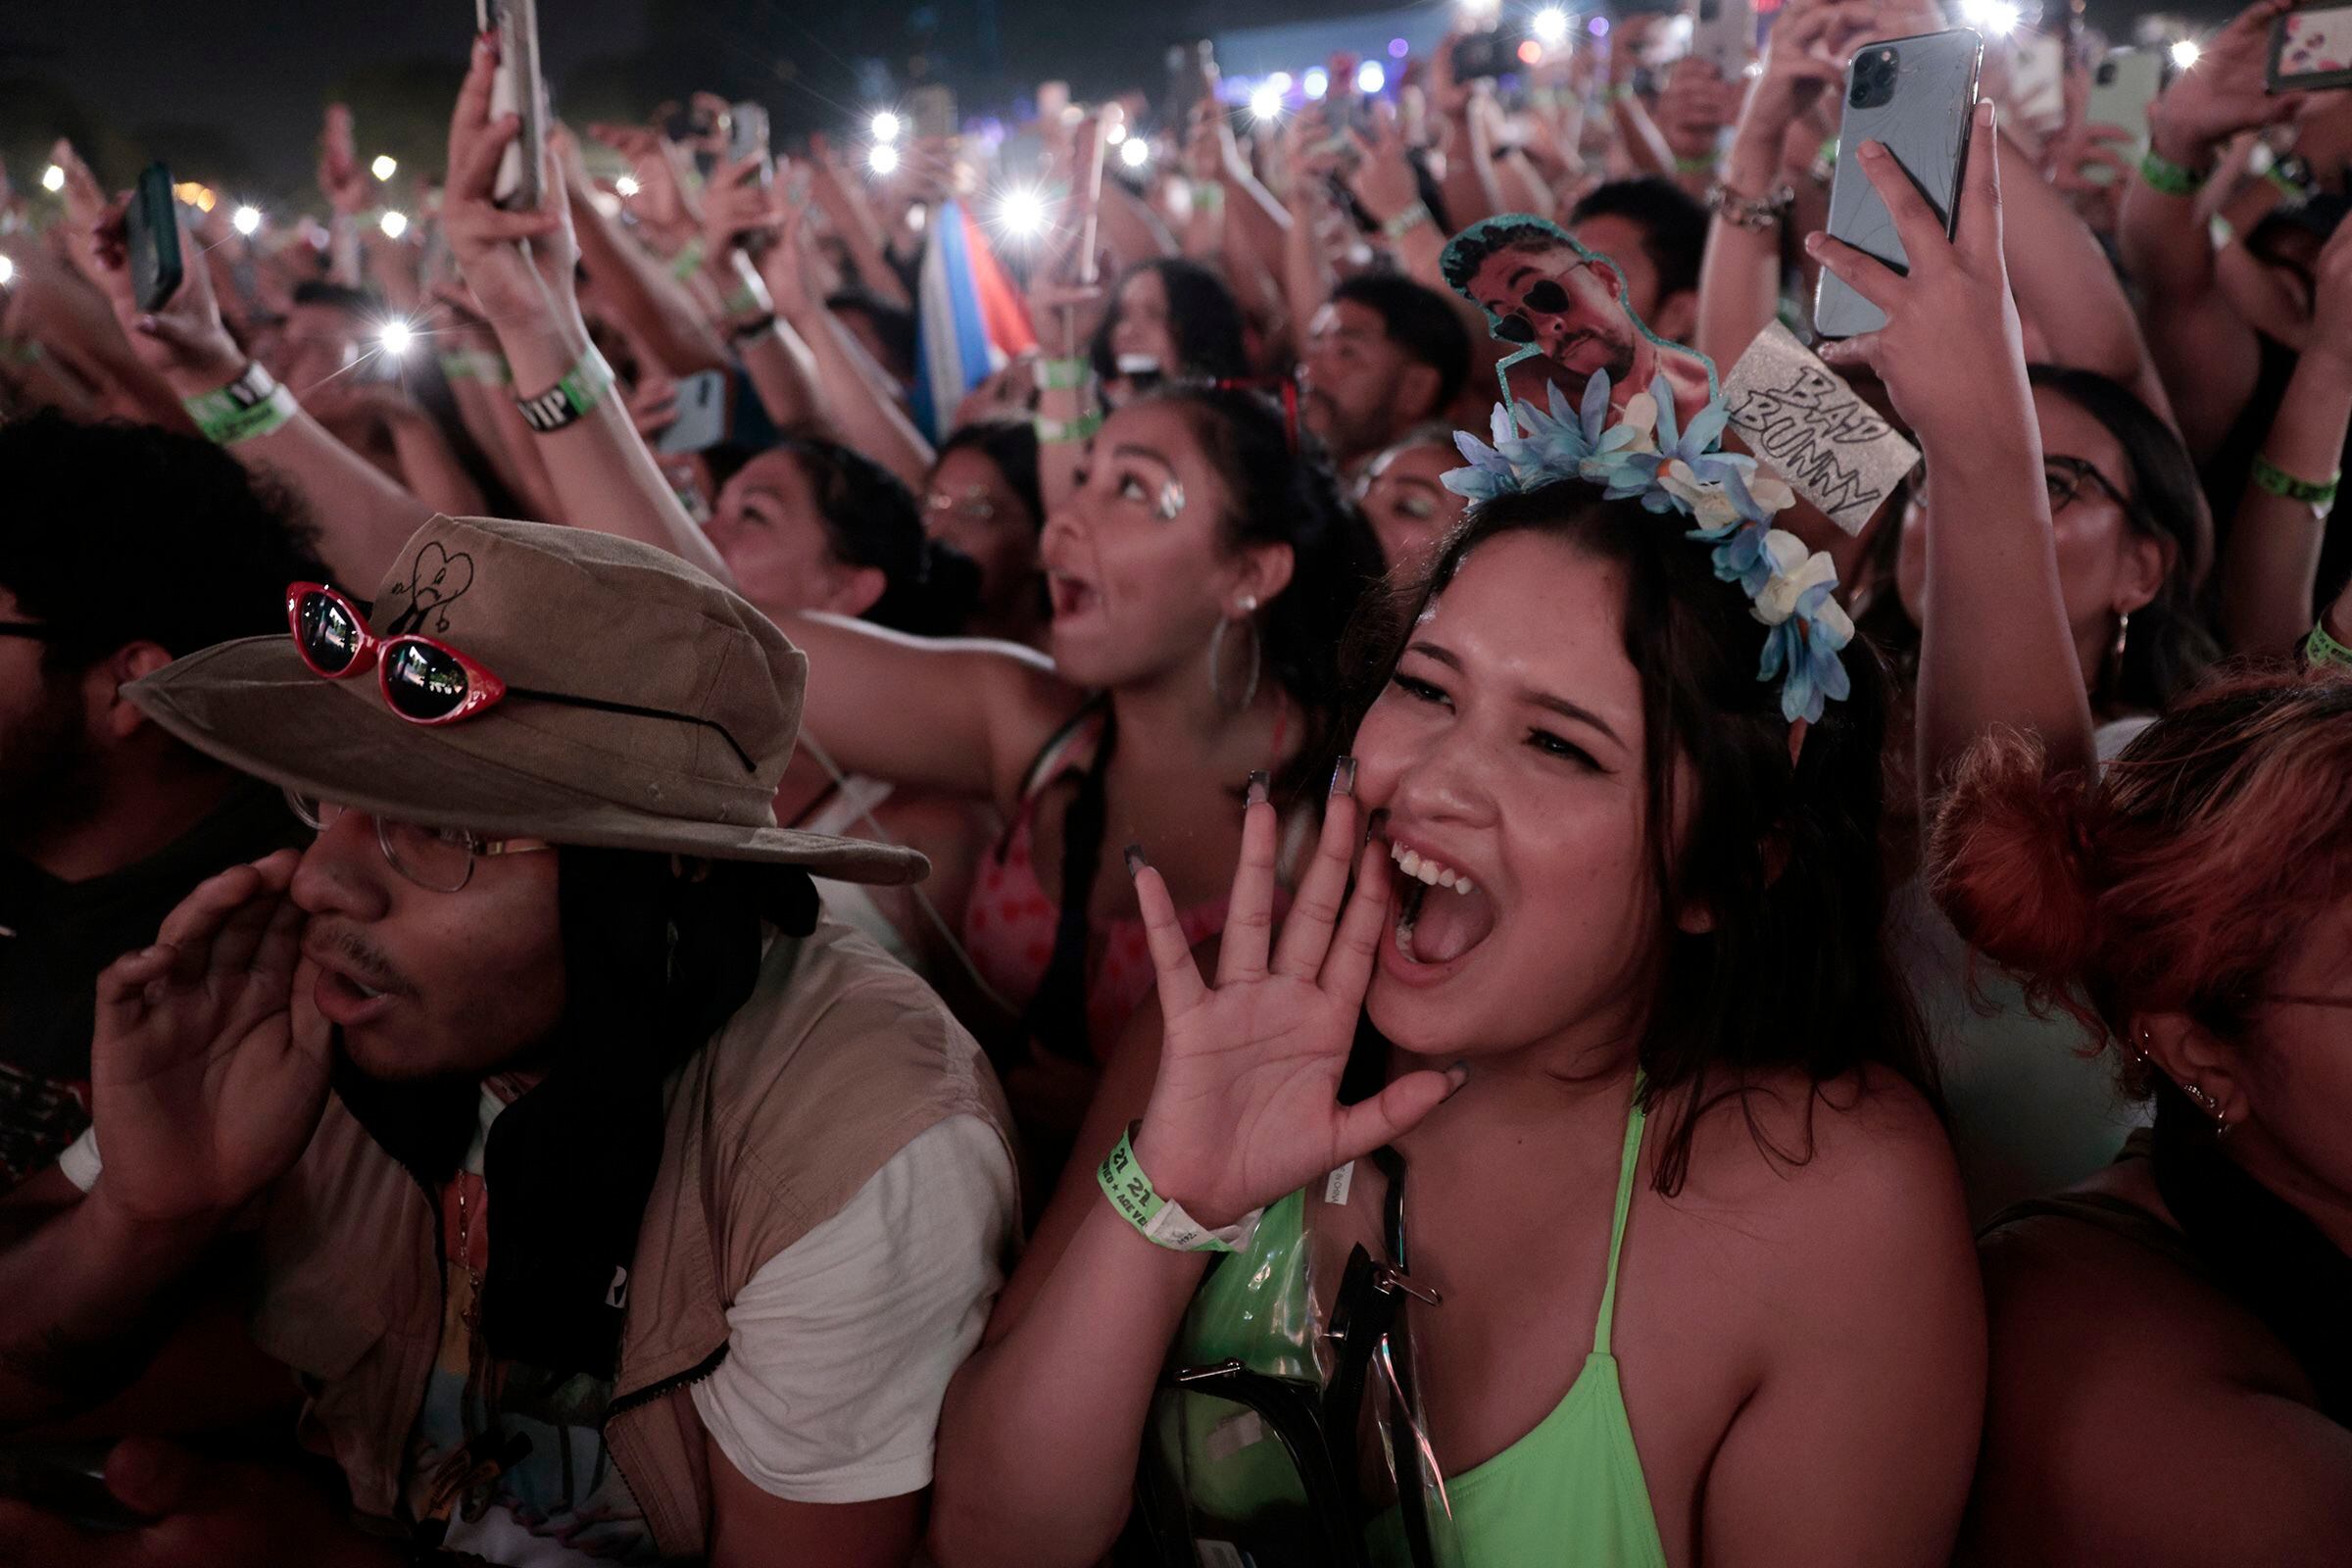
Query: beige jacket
x: 838, y: 1060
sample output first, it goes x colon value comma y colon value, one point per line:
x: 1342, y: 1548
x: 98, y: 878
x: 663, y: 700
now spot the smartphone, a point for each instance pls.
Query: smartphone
x: 702, y: 420
x: 2122, y: 85
x: 2311, y: 49
x: 1190, y: 66
x: 1916, y: 96
x: 1489, y: 52
x: 747, y: 139
x: 933, y: 111
x: 515, y: 90
x: 1723, y: 33
x: 151, y: 236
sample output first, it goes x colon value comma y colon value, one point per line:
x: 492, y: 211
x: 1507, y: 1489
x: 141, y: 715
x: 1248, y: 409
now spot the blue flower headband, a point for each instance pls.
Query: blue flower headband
x: 1643, y: 454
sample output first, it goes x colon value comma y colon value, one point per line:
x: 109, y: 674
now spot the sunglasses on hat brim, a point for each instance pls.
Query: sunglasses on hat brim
x: 424, y: 680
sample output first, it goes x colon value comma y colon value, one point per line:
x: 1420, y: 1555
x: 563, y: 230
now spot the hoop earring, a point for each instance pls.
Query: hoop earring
x: 1217, y: 657
x: 2210, y: 1105
x: 2123, y: 638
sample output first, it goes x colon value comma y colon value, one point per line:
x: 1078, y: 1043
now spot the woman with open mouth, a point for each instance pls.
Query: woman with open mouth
x: 1573, y: 1137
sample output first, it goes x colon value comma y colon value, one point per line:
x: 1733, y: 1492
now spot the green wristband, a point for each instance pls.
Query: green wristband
x: 250, y: 407
x: 1695, y: 165
x: 2162, y: 174
x: 2320, y: 649
x: 1061, y: 376
x: 1066, y: 432
x: 1405, y: 222
x: 1208, y: 197
x: 2268, y: 475
x: 688, y: 261
x: 744, y: 301
x: 1162, y: 1222
x: 583, y: 387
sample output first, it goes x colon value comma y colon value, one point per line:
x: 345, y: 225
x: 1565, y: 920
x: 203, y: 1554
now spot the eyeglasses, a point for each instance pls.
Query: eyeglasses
x: 2066, y: 476
x: 424, y: 680
x: 438, y: 860
x: 1546, y: 298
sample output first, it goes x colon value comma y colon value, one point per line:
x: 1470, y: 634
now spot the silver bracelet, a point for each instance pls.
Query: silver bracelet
x: 1750, y: 212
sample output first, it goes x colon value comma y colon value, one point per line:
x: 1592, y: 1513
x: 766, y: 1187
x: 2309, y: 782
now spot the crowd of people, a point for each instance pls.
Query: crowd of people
x: 1287, y: 904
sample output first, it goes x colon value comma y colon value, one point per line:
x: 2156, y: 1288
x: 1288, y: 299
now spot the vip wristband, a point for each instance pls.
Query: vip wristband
x: 2320, y: 497
x: 2162, y: 174
x: 250, y: 407
x: 570, y: 399
x: 1164, y: 1223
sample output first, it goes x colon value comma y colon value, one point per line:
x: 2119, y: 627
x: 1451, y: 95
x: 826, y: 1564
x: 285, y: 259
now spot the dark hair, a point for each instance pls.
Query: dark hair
x: 1011, y: 445
x: 1418, y: 319
x: 1469, y: 250
x: 1280, y: 496
x: 872, y: 519
x: 1203, y: 320
x: 1794, y: 972
x: 338, y: 296
x: 1673, y: 224
x: 893, y: 327
x: 2169, y: 649
x: 122, y: 533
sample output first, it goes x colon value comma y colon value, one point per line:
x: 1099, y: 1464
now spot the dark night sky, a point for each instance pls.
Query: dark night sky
x: 139, y: 77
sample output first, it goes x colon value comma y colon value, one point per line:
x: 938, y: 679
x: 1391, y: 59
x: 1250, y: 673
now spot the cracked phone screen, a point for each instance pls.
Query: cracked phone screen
x: 1914, y: 95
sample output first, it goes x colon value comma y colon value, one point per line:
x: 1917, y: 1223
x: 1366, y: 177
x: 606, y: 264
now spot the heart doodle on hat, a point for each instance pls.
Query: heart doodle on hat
x: 437, y: 580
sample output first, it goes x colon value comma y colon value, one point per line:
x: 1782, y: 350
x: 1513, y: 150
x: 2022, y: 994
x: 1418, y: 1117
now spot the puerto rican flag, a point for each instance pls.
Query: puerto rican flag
x: 971, y: 319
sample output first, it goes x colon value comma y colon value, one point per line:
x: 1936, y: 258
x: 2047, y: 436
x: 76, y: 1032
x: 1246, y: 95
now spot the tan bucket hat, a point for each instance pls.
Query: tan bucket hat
x: 561, y: 610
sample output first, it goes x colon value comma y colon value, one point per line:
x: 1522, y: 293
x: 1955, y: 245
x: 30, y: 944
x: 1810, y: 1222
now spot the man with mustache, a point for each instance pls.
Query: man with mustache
x: 608, y: 1201
x: 1384, y: 355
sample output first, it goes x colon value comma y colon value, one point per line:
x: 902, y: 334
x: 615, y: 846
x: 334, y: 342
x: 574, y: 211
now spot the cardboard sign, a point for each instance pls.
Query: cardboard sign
x: 1800, y: 420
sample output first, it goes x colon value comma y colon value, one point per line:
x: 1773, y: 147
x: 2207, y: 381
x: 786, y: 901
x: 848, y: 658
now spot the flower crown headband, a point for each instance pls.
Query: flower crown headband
x: 1647, y: 452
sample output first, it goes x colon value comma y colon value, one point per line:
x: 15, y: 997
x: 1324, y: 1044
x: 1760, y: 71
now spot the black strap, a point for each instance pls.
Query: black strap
x: 1056, y: 1014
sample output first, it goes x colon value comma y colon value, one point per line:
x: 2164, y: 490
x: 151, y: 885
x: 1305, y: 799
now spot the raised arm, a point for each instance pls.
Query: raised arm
x: 638, y: 287
x: 2207, y: 356
x: 1043, y: 1427
x: 520, y: 266
x: 2270, y: 565
x: 1995, y: 649
x: 362, y: 517
x: 2066, y: 289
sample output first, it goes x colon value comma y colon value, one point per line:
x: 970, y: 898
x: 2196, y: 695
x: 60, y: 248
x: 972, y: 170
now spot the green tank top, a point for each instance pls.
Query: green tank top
x: 1568, y: 1495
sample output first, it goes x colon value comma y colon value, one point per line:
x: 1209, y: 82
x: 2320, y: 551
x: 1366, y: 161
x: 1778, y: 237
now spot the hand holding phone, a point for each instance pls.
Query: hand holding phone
x: 1950, y: 349
x: 2227, y: 93
x: 516, y: 90
x: 1910, y: 98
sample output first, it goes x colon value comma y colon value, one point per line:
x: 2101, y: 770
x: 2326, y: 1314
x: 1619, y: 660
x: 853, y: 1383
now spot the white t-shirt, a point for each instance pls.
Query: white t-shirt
x: 840, y: 1348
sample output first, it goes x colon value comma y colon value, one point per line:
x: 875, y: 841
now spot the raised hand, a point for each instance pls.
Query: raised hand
x: 518, y: 264
x: 1953, y: 353
x: 738, y: 207
x: 184, y: 338
x: 1382, y: 176
x: 2224, y: 93
x: 1245, y: 1107
x: 341, y: 180
x: 208, y: 1061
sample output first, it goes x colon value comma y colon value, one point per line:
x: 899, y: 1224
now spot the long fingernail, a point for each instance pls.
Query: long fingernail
x: 1258, y: 783
x: 1135, y: 859
x: 1342, y: 776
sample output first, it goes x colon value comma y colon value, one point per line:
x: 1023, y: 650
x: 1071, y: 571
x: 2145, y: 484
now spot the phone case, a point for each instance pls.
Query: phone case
x: 515, y: 90
x: 151, y: 237
x: 1925, y: 123
x: 702, y: 420
x: 2123, y: 86
x: 2310, y: 50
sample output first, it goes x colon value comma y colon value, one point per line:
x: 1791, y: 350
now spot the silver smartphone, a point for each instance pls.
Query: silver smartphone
x: 1916, y: 96
x: 1723, y: 33
x: 515, y: 90
x: 702, y: 422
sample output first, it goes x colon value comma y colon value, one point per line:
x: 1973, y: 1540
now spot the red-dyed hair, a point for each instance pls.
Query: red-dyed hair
x: 2178, y: 880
